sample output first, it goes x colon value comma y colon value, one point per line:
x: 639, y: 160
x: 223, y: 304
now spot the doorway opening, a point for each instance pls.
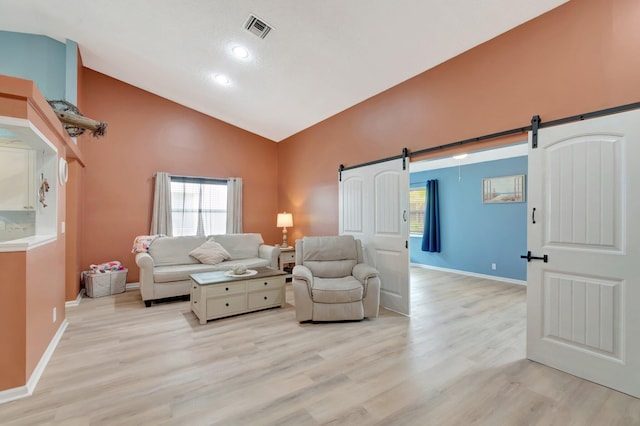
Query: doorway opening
x: 479, y: 237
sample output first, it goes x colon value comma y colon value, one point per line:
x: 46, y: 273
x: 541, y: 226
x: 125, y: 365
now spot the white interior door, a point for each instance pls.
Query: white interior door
x: 583, y: 314
x: 374, y: 207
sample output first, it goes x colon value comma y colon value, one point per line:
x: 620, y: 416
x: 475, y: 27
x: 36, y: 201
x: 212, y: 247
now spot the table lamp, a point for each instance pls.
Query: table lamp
x: 284, y: 220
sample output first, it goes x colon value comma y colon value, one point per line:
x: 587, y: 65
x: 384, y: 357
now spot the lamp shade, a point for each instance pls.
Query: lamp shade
x: 285, y: 220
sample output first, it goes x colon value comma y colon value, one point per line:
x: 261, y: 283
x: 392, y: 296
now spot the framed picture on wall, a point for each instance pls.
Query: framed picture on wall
x: 503, y: 189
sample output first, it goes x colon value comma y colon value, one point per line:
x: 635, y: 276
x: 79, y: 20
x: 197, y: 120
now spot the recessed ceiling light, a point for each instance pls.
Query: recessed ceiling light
x: 460, y: 156
x: 222, y: 79
x: 240, y: 52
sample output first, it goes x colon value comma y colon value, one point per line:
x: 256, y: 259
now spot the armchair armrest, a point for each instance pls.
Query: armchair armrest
x: 370, y: 279
x: 145, y: 263
x: 144, y: 260
x: 301, y: 273
x: 271, y: 253
x: 302, y: 284
x: 362, y: 272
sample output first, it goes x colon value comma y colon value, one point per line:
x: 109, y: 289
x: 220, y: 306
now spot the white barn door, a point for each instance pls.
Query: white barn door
x: 583, y: 304
x: 374, y: 207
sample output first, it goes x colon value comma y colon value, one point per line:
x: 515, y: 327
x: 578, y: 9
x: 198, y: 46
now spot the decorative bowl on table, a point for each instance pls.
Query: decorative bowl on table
x: 239, y: 269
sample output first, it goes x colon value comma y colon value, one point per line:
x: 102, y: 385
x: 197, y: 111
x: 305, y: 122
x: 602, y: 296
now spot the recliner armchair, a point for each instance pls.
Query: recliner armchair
x: 331, y: 282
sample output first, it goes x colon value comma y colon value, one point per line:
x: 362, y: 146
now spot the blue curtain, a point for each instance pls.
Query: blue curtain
x: 431, y: 235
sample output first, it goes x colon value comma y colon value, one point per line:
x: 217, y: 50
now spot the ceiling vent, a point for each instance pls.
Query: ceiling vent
x: 257, y: 26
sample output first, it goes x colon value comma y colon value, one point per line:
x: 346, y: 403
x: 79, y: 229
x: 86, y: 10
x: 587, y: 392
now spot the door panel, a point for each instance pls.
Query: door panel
x: 351, y: 214
x: 374, y: 201
x: 581, y: 315
x: 584, y: 177
x: 583, y: 312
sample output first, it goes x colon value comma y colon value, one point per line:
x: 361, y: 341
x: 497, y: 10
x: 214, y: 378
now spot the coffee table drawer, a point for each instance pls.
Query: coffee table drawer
x: 216, y: 295
x: 263, y: 299
x: 265, y: 284
x: 223, y: 289
x: 222, y: 306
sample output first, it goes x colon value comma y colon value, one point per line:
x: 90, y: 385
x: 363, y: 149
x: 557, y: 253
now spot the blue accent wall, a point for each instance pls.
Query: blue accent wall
x: 475, y: 235
x: 37, y: 58
x: 71, y: 72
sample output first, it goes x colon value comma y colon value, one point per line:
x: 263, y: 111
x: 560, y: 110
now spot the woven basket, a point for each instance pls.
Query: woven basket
x: 105, y: 284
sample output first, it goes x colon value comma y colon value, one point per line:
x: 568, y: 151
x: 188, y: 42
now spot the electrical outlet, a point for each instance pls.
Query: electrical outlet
x: 493, y: 266
x: 54, y: 315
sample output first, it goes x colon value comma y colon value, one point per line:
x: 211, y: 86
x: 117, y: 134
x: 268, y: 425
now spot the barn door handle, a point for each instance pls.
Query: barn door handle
x: 533, y: 215
x: 544, y: 257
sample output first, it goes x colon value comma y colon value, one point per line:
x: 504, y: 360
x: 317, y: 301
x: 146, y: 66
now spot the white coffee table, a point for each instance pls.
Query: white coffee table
x: 216, y: 295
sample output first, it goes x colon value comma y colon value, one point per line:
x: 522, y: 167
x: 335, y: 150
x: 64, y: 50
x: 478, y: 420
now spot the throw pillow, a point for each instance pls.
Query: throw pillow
x: 210, y: 253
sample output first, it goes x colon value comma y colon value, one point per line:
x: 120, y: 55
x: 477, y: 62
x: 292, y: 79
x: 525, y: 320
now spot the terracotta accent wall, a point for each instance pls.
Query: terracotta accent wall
x: 32, y: 282
x: 148, y: 134
x: 73, y: 266
x: 580, y: 57
x: 45, y: 290
x: 13, y: 332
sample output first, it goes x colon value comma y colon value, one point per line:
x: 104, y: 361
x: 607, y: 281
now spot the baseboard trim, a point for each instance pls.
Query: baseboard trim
x: 131, y: 286
x: 13, y: 394
x: 471, y: 274
x: 76, y: 302
x: 27, y: 390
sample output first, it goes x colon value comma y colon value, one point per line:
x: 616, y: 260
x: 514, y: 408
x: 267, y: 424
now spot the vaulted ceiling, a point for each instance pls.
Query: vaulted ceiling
x: 319, y: 58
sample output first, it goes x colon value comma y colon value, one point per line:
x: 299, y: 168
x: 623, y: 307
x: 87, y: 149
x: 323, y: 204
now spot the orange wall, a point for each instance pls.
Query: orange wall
x: 148, y: 134
x: 580, y: 57
x: 45, y: 290
x: 13, y: 315
x: 73, y: 266
x: 32, y: 283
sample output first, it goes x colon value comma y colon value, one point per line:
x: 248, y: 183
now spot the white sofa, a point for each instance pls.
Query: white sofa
x: 166, y: 266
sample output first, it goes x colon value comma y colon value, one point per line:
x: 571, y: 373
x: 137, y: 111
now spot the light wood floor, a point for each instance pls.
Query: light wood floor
x: 459, y: 360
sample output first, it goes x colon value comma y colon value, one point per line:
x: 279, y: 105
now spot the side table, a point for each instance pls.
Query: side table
x: 287, y: 260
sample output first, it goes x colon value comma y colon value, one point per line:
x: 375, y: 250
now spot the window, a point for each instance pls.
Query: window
x: 417, y: 201
x: 198, y: 206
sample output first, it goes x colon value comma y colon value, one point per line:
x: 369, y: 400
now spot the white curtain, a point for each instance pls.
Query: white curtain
x: 234, y: 206
x: 161, y: 216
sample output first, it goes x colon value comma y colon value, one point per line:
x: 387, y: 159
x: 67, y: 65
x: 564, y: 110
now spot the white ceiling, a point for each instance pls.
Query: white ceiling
x: 321, y: 58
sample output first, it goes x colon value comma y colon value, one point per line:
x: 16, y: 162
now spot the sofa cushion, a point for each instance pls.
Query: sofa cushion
x: 240, y: 246
x: 330, y: 268
x: 210, y: 253
x: 171, y: 273
x: 174, y: 250
x: 250, y: 263
x: 341, y: 247
x: 336, y: 290
x: 330, y: 257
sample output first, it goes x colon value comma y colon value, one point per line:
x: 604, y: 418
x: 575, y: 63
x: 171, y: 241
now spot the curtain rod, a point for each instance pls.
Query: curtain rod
x: 198, y: 177
x: 588, y: 115
x: 471, y: 140
x: 370, y: 163
x: 539, y: 125
x: 404, y: 156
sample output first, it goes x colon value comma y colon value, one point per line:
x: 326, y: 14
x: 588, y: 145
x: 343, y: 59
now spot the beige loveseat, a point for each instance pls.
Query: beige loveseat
x: 331, y: 282
x: 165, y: 267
